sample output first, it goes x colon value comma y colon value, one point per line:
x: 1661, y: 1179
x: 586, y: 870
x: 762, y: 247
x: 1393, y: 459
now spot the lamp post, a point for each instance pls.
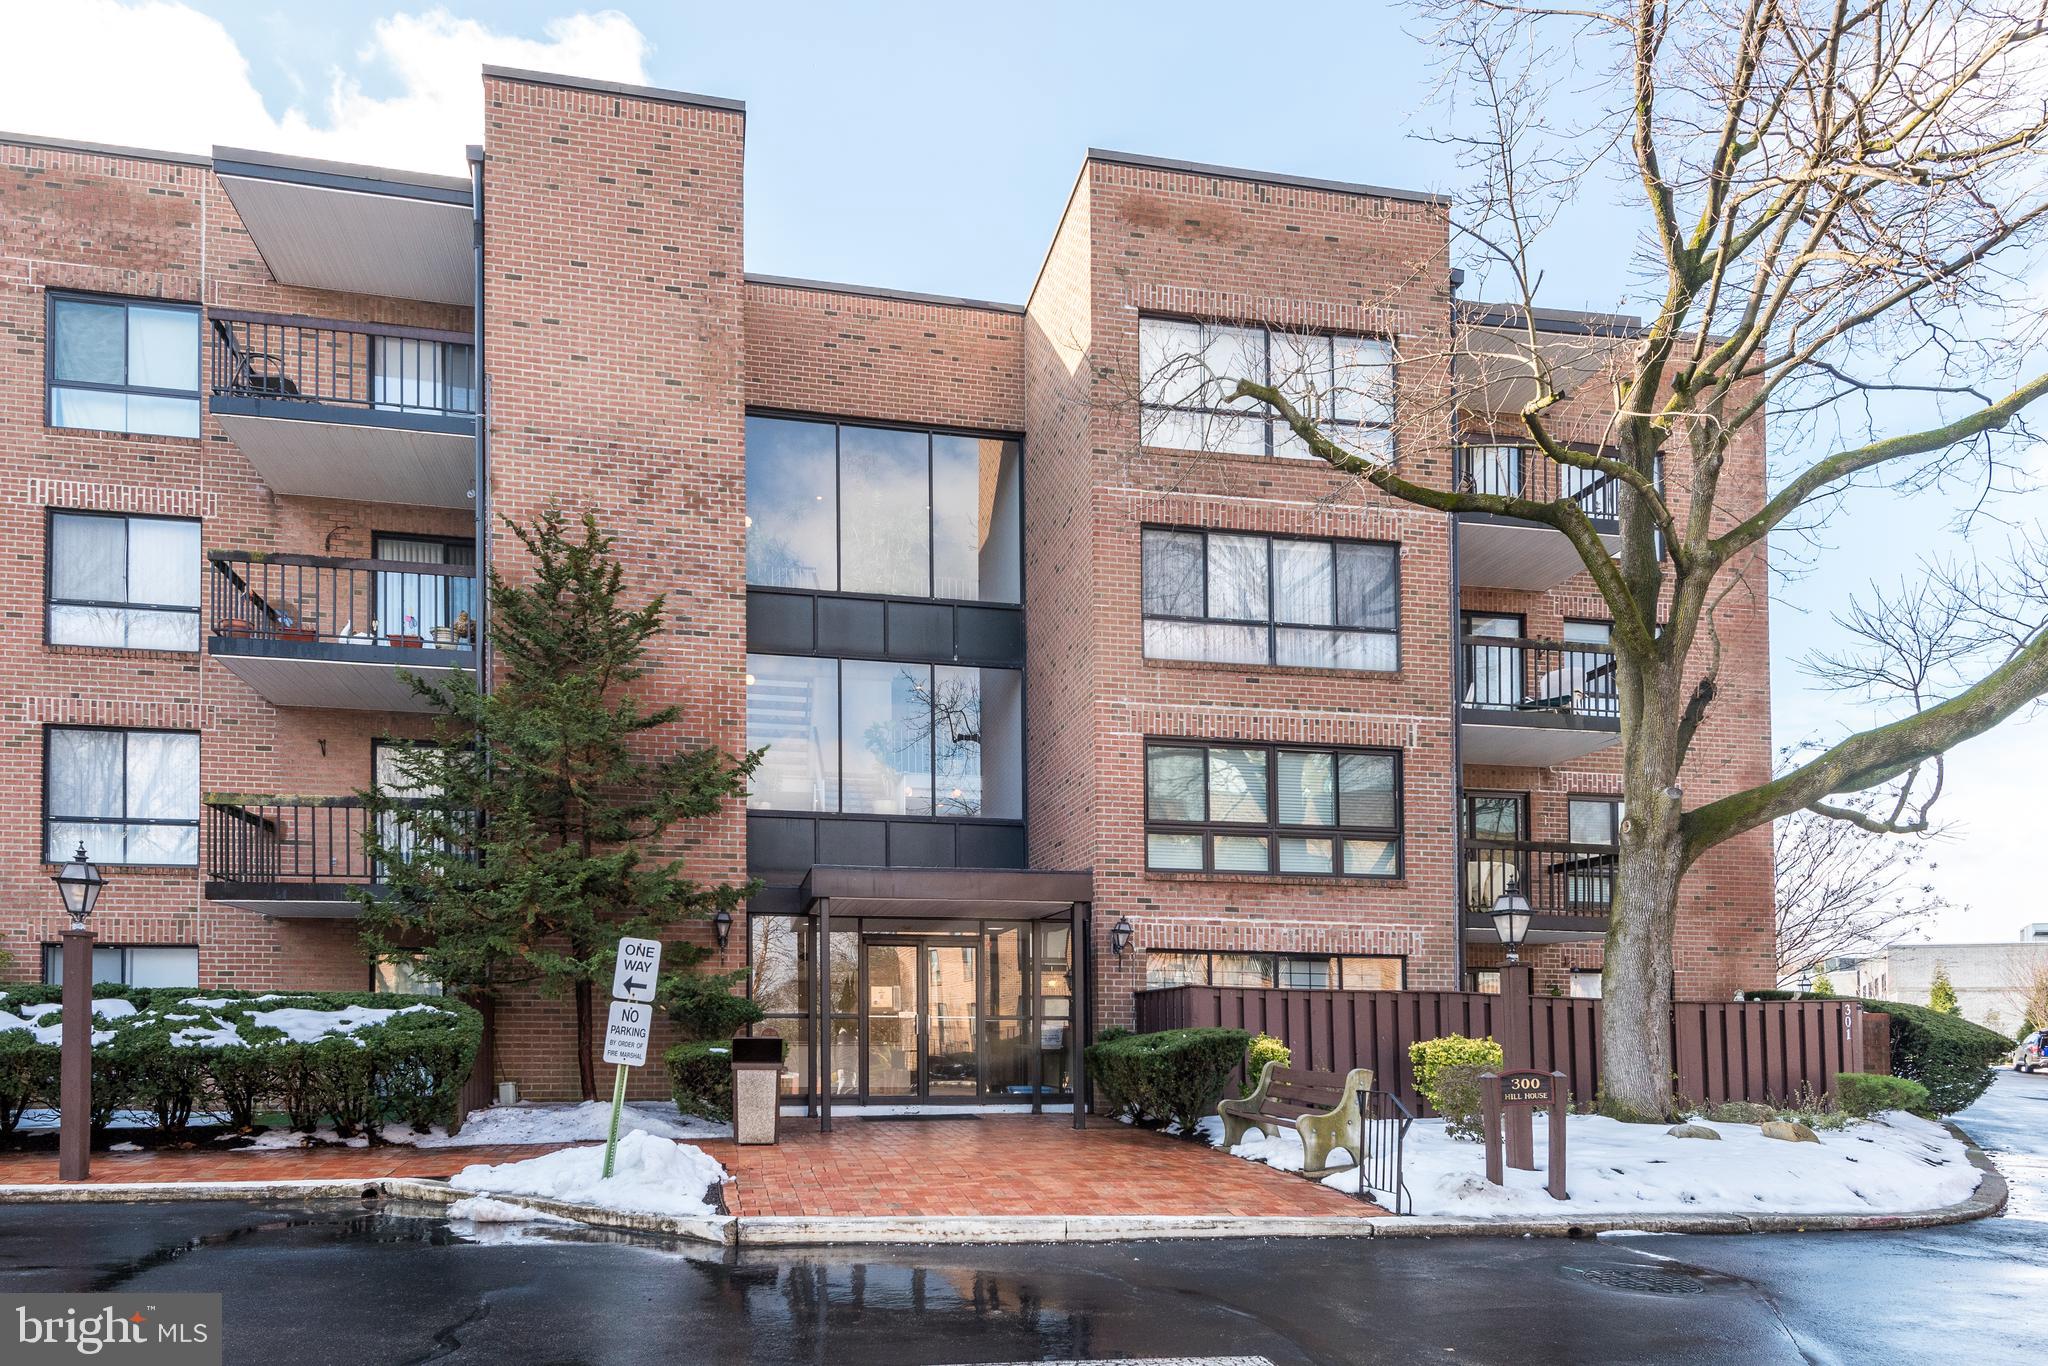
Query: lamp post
x: 1511, y: 918
x: 80, y: 884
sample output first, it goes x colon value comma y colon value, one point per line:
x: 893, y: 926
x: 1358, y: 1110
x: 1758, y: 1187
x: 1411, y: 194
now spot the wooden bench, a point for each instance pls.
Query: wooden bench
x: 1320, y: 1106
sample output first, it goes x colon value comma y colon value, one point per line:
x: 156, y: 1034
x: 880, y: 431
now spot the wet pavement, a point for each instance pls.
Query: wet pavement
x: 366, y: 1286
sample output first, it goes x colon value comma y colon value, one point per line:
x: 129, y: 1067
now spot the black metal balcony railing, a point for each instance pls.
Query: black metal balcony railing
x: 296, y: 841
x: 1519, y: 472
x: 1511, y: 674
x: 351, y: 602
x: 1557, y: 878
x: 357, y: 365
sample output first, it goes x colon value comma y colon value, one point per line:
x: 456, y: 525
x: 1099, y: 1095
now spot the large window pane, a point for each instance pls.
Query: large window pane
x: 1592, y: 821
x: 979, y: 724
x: 90, y: 346
x: 1165, y: 968
x: 793, y: 712
x: 1237, y: 785
x: 163, y: 348
x: 163, y: 967
x: 1363, y: 382
x: 1175, y: 780
x: 1363, y: 973
x: 1313, y: 648
x: 1173, y: 573
x: 792, y: 504
x: 1170, y: 362
x: 128, y: 796
x: 163, y: 776
x: 1174, y: 853
x: 1305, y: 856
x: 1302, y: 582
x: 777, y: 966
x: 885, y: 511
x: 88, y: 557
x: 1367, y: 796
x: 1368, y: 586
x: 86, y: 773
x: 886, y: 712
x: 1242, y: 854
x: 97, y: 561
x: 975, y: 519
x: 163, y: 561
x: 1213, y: 642
x: 1237, y: 577
x: 1242, y: 970
x: 1308, y: 784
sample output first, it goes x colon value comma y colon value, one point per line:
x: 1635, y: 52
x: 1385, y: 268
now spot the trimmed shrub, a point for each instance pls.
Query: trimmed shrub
x: 1430, y: 1057
x: 1455, y: 1094
x: 1947, y: 1054
x: 1865, y: 1093
x: 1264, y: 1048
x: 1174, y: 1077
x: 703, y: 1006
x: 176, y: 1050
x: 700, y: 1076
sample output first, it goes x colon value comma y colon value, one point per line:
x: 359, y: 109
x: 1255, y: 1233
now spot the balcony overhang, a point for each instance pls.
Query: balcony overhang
x: 323, y: 450
x: 287, y: 900
x: 1499, y: 552
x: 1535, y: 739
x: 356, y: 229
x: 1543, y: 929
x: 336, y: 675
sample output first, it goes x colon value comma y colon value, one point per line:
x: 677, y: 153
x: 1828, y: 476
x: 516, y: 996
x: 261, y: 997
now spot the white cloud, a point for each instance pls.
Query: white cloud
x: 164, y: 76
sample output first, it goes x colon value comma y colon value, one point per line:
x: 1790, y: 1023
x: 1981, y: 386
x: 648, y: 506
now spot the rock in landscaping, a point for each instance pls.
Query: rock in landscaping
x: 1791, y: 1130
x: 1692, y: 1131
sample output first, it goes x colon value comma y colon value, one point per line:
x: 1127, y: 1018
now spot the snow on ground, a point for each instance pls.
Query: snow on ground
x: 653, y: 1175
x: 481, y: 1209
x: 587, y: 1122
x: 1888, y: 1165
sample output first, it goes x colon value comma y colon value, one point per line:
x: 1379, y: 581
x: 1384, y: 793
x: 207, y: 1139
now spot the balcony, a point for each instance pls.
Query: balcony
x: 1534, y: 703
x: 1570, y: 887
x: 309, y: 631
x: 327, y: 409
x: 356, y: 229
x: 290, y: 857
x: 1501, y: 552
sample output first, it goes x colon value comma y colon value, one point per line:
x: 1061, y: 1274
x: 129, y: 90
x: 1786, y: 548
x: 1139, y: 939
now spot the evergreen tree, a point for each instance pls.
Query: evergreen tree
x: 1823, y: 985
x: 516, y: 848
x: 1941, y: 995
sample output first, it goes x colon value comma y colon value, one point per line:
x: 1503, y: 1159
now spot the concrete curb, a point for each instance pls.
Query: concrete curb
x: 726, y: 1230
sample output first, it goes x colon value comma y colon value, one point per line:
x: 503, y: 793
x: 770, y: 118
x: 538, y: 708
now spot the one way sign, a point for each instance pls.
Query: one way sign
x: 639, y: 964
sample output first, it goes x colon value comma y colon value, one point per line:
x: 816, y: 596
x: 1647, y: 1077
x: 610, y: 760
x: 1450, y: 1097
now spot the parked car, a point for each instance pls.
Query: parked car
x: 2032, y: 1052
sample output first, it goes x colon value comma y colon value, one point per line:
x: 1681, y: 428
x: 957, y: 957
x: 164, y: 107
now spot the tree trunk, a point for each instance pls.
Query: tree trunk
x: 1635, y: 1014
x: 586, y: 1071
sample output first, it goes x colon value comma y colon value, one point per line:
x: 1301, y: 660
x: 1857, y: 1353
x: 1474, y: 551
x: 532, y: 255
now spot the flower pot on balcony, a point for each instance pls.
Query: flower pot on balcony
x: 234, y: 627
x: 297, y: 633
x: 444, y: 637
x: 405, y: 642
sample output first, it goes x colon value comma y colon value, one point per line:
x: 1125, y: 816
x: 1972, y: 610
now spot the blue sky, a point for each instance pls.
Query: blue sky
x: 930, y: 147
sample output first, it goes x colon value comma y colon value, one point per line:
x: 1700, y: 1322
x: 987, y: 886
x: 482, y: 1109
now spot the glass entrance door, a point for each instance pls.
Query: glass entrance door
x: 922, y: 1014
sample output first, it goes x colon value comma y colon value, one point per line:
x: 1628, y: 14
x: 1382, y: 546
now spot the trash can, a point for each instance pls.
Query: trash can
x: 756, y: 1089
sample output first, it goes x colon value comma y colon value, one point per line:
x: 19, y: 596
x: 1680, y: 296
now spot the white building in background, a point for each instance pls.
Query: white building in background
x: 1988, y: 978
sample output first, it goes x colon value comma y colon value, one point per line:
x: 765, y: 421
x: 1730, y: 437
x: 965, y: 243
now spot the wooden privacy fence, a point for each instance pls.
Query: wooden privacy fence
x: 1761, y: 1051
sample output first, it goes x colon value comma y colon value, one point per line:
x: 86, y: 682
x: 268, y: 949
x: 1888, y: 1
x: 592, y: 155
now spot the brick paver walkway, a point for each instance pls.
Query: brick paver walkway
x: 991, y: 1165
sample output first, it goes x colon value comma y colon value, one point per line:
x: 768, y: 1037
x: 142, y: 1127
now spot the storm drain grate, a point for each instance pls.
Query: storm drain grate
x: 1642, y: 1281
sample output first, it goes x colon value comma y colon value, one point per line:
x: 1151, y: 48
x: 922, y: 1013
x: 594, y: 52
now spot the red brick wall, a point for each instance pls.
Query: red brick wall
x: 614, y: 349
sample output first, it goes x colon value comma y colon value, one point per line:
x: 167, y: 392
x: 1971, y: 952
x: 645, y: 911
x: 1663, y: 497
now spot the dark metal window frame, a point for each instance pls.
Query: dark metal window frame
x: 56, y: 951
x: 1613, y: 805
x: 51, y: 383
x: 1280, y: 956
x: 51, y: 600
x: 49, y: 819
x: 931, y: 571
x: 1272, y: 621
x: 932, y: 742
x: 448, y: 582
x: 1470, y: 827
x: 1271, y: 829
x: 1268, y: 422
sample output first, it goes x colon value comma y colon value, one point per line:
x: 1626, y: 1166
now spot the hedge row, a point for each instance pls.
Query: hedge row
x: 177, y: 1051
x: 1174, y: 1077
x: 1945, y: 1053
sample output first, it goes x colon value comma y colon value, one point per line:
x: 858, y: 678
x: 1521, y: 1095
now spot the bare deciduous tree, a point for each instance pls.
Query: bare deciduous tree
x: 1845, y: 890
x: 1839, y: 204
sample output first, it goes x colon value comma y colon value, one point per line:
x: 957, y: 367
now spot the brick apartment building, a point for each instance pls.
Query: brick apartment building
x: 1024, y: 662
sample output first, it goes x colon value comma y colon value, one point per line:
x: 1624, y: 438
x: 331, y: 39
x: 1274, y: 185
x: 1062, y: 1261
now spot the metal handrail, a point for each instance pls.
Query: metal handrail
x: 1383, y: 1135
x: 1518, y: 674
x: 306, y: 598
x: 1557, y: 877
x: 357, y: 365
x: 316, y: 840
x: 1517, y: 471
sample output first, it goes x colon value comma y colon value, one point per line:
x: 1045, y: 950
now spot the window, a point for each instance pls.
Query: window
x: 120, y: 366
x: 1238, y: 599
x: 128, y: 583
x: 1304, y: 971
x: 130, y: 796
x: 414, y: 604
x: 135, y: 966
x: 897, y: 511
x: 400, y: 972
x: 1345, y: 385
x: 872, y: 738
x: 1485, y: 981
x: 1585, y: 984
x: 1256, y: 809
x: 1594, y: 820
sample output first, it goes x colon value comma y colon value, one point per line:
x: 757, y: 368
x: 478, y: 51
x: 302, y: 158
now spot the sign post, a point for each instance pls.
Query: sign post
x: 1507, y: 1101
x: 630, y: 1023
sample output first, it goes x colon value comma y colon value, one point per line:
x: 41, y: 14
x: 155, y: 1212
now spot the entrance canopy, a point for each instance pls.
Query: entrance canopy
x: 900, y: 983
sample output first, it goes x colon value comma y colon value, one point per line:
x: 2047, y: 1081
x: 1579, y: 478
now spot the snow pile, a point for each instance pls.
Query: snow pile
x: 587, y: 1122
x: 31, y: 1018
x: 1889, y: 1165
x: 653, y: 1175
x: 481, y: 1209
